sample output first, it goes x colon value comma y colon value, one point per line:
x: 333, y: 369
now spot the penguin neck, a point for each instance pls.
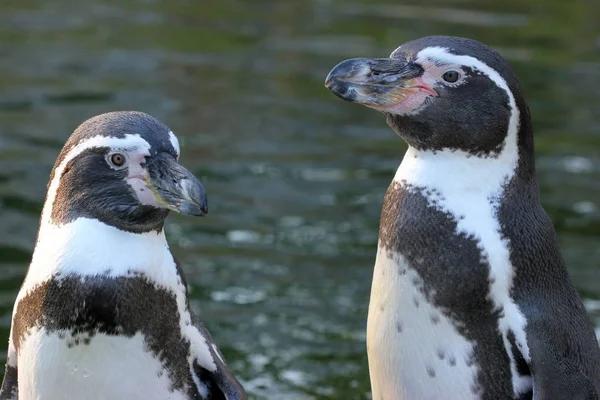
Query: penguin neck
x: 461, y: 171
x: 89, y: 247
x: 457, y: 171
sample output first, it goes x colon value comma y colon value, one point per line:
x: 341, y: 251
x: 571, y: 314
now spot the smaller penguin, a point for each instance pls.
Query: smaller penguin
x: 470, y: 296
x: 103, y: 312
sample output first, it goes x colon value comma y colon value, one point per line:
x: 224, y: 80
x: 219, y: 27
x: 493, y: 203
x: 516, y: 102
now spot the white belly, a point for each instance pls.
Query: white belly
x: 415, y: 352
x: 108, y: 368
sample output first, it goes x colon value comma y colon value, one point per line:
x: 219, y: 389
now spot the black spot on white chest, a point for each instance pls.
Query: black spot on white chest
x: 448, y: 268
x: 78, y: 308
x: 430, y: 241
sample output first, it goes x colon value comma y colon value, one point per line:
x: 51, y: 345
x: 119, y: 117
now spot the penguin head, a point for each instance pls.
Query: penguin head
x: 122, y: 169
x: 437, y: 93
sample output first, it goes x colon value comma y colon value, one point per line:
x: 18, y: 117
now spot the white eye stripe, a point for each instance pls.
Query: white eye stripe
x: 441, y: 54
x: 174, y: 142
x: 128, y: 142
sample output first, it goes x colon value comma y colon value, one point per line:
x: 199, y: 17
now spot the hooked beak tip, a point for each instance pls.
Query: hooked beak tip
x: 175, y: 188
x: 347, y: 70
x: 376, y: 83
x: 193, y: 210
x: 195, y: 199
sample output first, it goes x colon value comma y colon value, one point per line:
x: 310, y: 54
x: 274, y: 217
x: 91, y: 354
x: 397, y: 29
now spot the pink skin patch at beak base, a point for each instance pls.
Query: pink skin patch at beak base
x: 143, y: 193
x: 414, y: 97
x: 137, y: 178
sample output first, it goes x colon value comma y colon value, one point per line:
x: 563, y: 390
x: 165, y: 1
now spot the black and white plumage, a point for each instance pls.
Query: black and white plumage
x: 103, y: 312
x: 470, y: 296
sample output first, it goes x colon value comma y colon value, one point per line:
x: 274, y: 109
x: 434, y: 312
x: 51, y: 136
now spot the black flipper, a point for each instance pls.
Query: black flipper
x: 556, y: 375
x: 222, y: 385
x: 564, y: 357
x: 10, y: 384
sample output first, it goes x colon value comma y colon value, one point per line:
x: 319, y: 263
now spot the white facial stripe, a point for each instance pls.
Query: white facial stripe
x: 442, y: 54
x: 393, y: 55
x: 467, y: 186
x: 175, y: 143
x: 509, y: 156
x: 129, y: 142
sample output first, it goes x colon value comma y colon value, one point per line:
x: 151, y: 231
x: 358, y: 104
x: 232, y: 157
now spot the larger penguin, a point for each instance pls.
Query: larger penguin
x: 470, y: 296
x: 103, y: 312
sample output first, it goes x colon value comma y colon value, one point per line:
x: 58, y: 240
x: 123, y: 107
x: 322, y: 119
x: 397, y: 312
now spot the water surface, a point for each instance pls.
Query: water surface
x: 281, y: 268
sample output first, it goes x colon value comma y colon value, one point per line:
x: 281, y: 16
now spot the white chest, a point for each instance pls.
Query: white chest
x: 414, y: 351
x: 108, y: 368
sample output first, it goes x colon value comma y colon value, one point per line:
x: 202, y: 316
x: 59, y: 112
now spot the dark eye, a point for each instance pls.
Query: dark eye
x: 117, y: 159
x: 451, y: 76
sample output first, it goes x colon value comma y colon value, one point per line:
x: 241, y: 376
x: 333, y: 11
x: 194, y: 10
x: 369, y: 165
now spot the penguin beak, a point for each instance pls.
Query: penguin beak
x: 174, y: 187
x: 379, y: 83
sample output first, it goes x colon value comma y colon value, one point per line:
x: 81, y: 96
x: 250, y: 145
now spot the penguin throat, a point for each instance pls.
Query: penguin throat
x: 89, y: 247
x: 454, y: 170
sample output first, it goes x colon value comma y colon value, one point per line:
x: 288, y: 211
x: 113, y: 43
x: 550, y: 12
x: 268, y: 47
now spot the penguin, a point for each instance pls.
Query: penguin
x: 470, y: 296
x: 103, y: 312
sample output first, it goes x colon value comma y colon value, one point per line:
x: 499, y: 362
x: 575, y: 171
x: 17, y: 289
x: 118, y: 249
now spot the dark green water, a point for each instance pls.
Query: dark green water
x: 281, y: 267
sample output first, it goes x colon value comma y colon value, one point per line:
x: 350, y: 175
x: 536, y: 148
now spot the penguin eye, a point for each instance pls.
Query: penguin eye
x: 451, y: 76
x: 117, y: 160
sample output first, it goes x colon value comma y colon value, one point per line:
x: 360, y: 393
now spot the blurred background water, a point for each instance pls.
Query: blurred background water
x: 281, y: 268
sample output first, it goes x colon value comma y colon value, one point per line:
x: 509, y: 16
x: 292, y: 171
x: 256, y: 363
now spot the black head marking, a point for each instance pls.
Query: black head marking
x: 473, y: 116
x: 95, y: 190
x: 462, y: 47
x: 471, y: 110
x: 119, y: 124
x: 89, y: 187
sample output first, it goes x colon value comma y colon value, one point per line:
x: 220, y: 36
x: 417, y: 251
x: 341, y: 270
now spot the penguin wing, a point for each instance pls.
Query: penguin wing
x: 554, y: 366
x: 9, y: 390
x: 10, y: 387
x: 222, y: 385
x: 564, y: 358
